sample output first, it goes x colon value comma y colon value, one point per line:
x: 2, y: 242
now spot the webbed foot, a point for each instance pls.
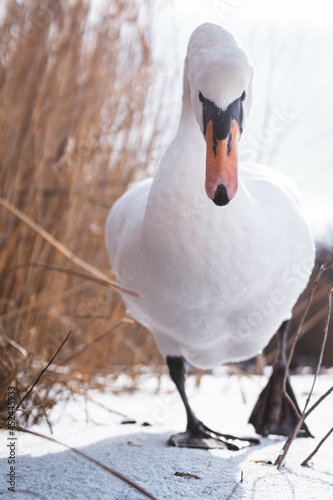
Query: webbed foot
x: 273, y: 414
x: 201, y: 436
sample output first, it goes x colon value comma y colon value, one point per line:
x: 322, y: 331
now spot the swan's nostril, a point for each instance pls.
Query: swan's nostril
x: 221, y: 196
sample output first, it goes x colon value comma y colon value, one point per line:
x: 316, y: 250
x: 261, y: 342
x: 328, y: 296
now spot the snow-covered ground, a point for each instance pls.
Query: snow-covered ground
x: 47, y: 470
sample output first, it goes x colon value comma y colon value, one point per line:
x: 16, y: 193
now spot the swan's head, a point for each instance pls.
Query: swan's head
x: 220, y: 76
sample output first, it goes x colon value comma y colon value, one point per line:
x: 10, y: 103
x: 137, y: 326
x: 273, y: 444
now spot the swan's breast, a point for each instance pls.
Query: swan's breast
x: 224, y: 275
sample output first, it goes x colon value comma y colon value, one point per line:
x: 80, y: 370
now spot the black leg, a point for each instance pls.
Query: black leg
x: 272, y: 413
x: 197, y: 434
x: 177, y: 372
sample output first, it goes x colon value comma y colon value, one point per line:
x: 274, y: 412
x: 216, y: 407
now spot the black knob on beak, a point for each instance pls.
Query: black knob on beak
x: 221, y: 197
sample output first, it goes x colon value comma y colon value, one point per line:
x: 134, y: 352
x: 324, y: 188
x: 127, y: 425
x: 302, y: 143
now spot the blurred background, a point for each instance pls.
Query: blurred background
x: 90, y: 97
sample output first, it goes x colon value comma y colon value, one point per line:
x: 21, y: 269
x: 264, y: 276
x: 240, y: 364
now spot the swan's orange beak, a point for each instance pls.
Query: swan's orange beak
x: 222, y: 165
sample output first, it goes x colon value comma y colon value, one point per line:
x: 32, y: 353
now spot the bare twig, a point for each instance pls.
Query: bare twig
x: 38, y: 379
x: 301, y: 418
x: 101, y: 281
x: 41, y: 406
x: 87, y: 457
x: 306, y: 461
x: 279, y: 461
x: 317, y: 403
x: 43, y: 371
x: 307, y: 325
x: 97, y: 403
x: 186, y: 474
x: 319, y: 295
x: 322, y: 348
x: 42, y: 302
x: 17, y: 346
x: 322, y: 269
x: 86, y: 346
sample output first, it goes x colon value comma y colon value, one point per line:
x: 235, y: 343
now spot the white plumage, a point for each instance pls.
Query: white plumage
x: 216, y: 281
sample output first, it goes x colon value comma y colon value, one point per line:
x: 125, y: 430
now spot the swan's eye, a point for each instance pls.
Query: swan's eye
x: 201, y: 97
x: 243, y: 96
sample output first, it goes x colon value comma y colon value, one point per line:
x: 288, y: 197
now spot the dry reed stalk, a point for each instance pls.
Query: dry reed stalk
x: 101, y: 277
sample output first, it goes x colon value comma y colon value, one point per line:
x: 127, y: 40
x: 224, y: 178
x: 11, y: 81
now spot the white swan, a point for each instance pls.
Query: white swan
x: 219, y: 251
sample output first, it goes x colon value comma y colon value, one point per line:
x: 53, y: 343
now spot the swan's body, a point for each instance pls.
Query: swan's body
x: 216, y: 281
x: 211, y: 299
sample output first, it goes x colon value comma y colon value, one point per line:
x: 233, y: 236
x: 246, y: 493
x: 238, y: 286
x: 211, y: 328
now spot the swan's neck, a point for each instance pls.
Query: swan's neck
x: 181, y: 174
x: 187, y: 116
x: 188, y: 149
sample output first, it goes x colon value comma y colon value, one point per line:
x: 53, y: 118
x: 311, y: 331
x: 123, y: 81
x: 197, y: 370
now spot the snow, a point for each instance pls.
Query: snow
x: 47, y: 470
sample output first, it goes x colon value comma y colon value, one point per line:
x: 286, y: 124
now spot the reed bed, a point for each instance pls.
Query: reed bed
x: 74, y: 93
x: 72, y: 108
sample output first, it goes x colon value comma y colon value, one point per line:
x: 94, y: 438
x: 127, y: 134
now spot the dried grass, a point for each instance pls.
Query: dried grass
x: 73, y: 101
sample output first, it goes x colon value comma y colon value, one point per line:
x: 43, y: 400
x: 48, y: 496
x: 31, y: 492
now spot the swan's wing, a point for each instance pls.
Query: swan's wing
x: 124, y: 222
x: 257, y: 172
